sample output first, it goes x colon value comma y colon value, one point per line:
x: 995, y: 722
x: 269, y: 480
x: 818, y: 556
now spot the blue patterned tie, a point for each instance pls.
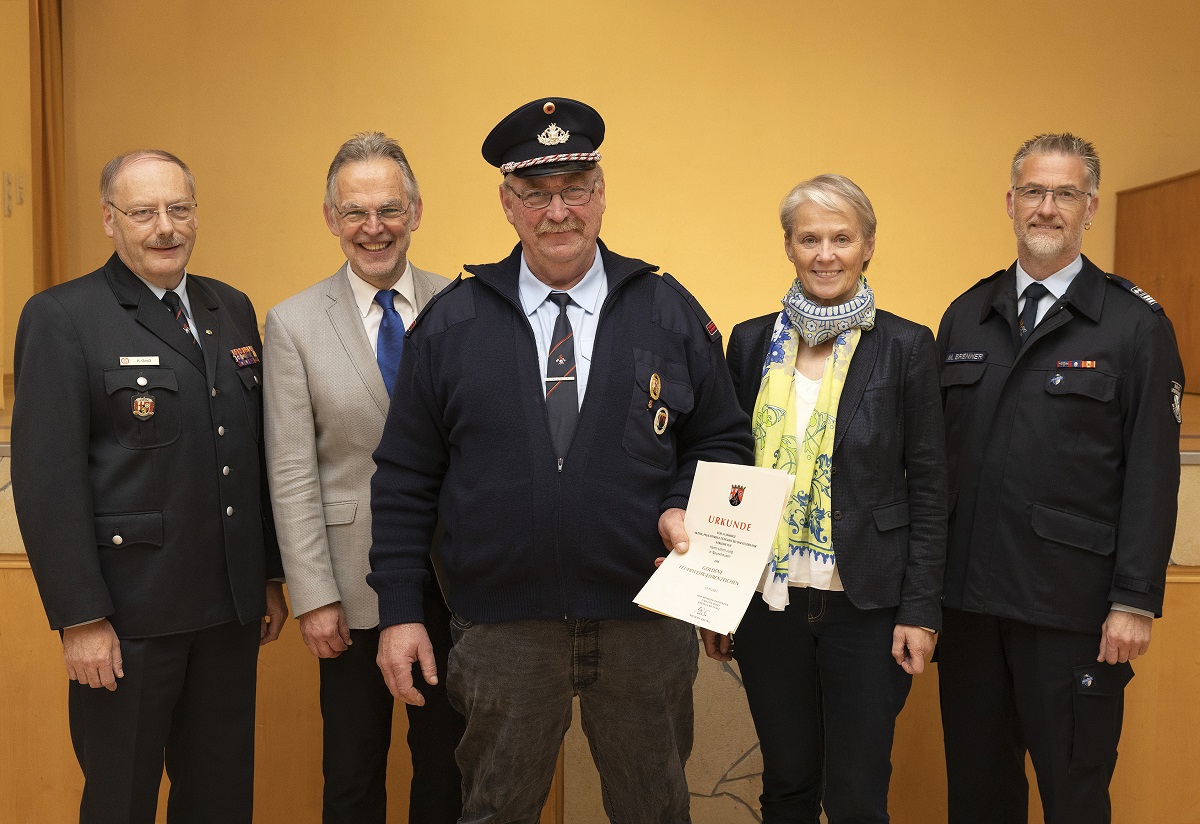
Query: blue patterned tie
x: 562, y: 396
x: 175, y: 306
x: 391, y: 338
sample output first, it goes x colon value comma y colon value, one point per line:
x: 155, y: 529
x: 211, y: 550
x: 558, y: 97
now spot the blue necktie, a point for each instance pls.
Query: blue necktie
x: 391, y: 338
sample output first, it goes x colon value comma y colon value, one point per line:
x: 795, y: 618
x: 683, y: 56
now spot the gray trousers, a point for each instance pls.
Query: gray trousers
x: 514, y: 683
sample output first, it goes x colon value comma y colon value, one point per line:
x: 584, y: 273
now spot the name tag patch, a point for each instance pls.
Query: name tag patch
x: 138, y: 360
x: 966, y: 357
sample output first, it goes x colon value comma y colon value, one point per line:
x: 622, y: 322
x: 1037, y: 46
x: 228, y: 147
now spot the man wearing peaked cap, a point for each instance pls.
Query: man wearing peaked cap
x: 551, y: 410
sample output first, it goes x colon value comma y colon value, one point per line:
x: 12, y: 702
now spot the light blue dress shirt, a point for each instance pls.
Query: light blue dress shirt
x: 587, y: 297
x: 1056, y: 284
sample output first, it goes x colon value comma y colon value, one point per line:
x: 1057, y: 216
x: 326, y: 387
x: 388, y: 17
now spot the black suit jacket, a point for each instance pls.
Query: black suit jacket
x: 159, y: 524
x: 889, y: 464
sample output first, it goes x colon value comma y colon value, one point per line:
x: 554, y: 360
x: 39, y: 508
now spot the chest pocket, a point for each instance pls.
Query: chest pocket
x: 1087, y: 383
x: 143, y: 405
x: 962, y: 374
x: 650, y: 427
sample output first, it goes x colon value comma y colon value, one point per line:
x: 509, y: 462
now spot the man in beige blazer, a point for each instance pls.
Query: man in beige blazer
x: 330, y: 355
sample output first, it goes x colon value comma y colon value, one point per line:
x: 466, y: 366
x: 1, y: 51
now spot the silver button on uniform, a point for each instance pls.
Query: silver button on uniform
x: 224, y: 470
x: 220, y: 430
x: 117, y: 540
x: 142, y: 381
x: 228, y: 510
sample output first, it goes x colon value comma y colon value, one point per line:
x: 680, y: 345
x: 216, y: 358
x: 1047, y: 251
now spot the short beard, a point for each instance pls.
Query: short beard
x: 1048, y: 249
x: 549, y: 227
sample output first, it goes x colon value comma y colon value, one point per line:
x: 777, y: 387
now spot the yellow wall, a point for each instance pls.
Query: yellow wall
x: 16, y: 230
x: 714, y: 110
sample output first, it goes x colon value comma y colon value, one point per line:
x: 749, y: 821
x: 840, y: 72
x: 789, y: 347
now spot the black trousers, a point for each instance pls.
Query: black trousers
x: 186, y: 699
x: 824, y: 692
x: 356, y: 708
x: 1007, y: 687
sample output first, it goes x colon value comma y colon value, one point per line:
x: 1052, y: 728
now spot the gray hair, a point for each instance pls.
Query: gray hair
x: 1062, y: 144
x: 369, y: 146
x: 108, y: 177
x: 833, y: 192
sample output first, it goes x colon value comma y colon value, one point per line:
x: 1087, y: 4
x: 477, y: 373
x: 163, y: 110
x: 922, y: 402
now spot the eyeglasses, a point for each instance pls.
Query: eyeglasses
x: 357, y: 217
x: 1065, y: 198
x: 571, y: 196
x: 178, y: 212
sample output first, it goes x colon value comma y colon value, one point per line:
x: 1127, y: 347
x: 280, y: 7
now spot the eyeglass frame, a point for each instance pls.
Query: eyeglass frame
x: 403, y: 212
x: 546, y: 205
x: 158, y: 211
x: 1020, y: 192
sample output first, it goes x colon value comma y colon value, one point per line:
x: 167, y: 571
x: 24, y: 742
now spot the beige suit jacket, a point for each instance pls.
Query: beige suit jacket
x: 325, y: 406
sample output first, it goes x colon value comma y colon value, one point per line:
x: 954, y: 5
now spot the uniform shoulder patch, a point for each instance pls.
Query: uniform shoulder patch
x: 1136, y: 291
x: 705, y: 320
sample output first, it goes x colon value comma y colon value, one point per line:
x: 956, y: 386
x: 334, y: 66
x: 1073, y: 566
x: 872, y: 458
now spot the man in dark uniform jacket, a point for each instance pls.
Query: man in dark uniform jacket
x: 551, y: 411
x: 1062, y: 387
x: 140, y: 491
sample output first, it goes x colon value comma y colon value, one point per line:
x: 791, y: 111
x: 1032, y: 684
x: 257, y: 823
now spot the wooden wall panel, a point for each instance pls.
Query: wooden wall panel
x: 1158, y: 248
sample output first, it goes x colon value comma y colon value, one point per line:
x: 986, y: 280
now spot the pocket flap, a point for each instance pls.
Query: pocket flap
x: 342, y: 512
x: 675, y: 394
x: 129, y: 528
x: 1102, y: 679
x: 139, y: 379
x: 249, y: 379
x: 1074, y: 530
x: 962, y: 374
x: 1086, y: 382
x: 891, y: 516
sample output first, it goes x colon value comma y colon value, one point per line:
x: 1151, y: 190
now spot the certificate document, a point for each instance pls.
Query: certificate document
x: 732, y: 516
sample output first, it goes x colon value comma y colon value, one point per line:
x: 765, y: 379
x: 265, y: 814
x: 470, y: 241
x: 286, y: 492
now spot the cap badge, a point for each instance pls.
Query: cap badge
x: 548, y: 107
x: 553, y: 136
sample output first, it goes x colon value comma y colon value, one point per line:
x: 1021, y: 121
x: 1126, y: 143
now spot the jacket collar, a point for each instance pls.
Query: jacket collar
x: 1085, y: 294
x: 150, y: 313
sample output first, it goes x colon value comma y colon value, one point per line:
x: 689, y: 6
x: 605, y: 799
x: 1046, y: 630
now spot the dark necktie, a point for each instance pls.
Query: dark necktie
x: 175, y: 305
x: 391, y: 338
x: 1034, y: 292
x: 562, y: 396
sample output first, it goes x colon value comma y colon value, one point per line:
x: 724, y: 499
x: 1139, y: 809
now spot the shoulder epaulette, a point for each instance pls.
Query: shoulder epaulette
x: 1136, y: 291
x: 450, y: 287
x: 705, y: 320
x: 990, y: 278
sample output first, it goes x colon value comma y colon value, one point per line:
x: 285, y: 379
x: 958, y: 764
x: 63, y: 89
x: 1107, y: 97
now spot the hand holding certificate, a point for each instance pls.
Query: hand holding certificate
x: 732, y: 516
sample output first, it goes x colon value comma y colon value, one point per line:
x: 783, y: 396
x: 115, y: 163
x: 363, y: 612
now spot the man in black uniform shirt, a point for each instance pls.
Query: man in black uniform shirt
x: 1062, y: 387
x: 140, y: 489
